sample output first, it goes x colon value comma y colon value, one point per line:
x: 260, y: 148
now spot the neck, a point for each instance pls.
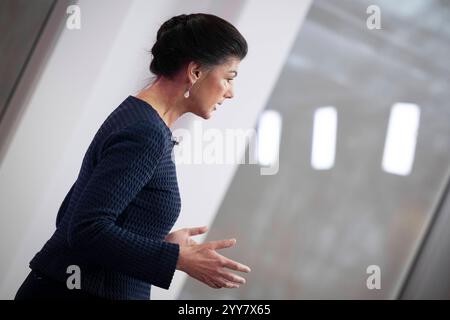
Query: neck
x: 166, y: 98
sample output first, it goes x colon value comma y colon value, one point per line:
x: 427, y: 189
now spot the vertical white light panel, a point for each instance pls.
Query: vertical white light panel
x: 269, y: 134
x: 401, y: 138
x: 324, y: 138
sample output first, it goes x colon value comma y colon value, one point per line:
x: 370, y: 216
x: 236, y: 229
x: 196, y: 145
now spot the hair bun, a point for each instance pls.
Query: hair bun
x: 181, y: 19
x: 203, y: 38
x: 172, y: 23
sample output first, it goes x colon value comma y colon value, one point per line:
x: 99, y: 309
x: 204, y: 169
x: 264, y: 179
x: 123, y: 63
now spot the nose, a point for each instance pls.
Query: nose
x: 229, y: 94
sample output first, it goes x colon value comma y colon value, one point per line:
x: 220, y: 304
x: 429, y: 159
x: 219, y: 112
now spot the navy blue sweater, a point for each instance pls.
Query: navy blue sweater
x: 113, y: 221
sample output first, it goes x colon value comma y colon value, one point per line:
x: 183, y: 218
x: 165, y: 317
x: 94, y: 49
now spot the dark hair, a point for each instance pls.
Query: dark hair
x: 203, y: 38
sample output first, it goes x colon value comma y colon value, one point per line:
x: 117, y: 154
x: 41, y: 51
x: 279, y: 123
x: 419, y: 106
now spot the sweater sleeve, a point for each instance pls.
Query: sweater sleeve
x: 64, y: 205
x: 126, y: 165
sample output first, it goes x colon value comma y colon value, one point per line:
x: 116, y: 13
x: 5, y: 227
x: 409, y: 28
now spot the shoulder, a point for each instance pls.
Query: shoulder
x: 144, y: 135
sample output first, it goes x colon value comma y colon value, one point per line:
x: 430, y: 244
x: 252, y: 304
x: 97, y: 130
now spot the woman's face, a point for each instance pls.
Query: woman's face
x: 213, y: 87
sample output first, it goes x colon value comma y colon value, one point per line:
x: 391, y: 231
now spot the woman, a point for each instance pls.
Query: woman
x: 112, y: 238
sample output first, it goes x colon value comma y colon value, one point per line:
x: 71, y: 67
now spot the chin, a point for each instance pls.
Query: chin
x: 207, y: 114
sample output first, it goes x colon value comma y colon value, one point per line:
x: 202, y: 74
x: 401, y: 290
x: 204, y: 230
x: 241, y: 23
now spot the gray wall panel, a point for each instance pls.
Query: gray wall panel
x: 21, y: 22
x: 312, y: 234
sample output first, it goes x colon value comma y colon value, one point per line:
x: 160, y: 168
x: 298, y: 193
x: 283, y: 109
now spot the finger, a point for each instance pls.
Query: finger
x: 233, y: 277
x: 222, y: 244
x: 228, y: 284
x: 215, y: 284
x: 197, y: 230
x: 231, y: 264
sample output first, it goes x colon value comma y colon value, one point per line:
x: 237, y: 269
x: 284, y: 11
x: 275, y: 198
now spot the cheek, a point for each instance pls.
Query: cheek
x: 217, y: 90
x: 223, y: 86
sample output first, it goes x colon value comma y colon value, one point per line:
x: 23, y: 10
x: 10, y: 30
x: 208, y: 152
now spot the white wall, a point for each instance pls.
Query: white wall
x: 89, y: 73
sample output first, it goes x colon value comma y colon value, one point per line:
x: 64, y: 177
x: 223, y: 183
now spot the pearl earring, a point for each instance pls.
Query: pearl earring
x: 187, y: 93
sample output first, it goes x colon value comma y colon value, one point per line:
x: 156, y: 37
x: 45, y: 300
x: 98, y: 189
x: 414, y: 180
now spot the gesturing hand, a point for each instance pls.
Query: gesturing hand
x: 202, y: 262
x: 183, y: 236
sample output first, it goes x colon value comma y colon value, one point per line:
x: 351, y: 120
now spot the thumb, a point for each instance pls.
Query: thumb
x: 222, y: 244
x: 197, y: 230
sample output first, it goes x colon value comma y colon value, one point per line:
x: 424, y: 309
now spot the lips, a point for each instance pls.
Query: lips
x: 217, y: 105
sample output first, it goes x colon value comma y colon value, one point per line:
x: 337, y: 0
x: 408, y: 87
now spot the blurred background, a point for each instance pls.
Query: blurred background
x: 355, y: 115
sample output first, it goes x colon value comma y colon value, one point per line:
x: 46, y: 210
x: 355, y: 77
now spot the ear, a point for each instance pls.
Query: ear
x: 194, y: 71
